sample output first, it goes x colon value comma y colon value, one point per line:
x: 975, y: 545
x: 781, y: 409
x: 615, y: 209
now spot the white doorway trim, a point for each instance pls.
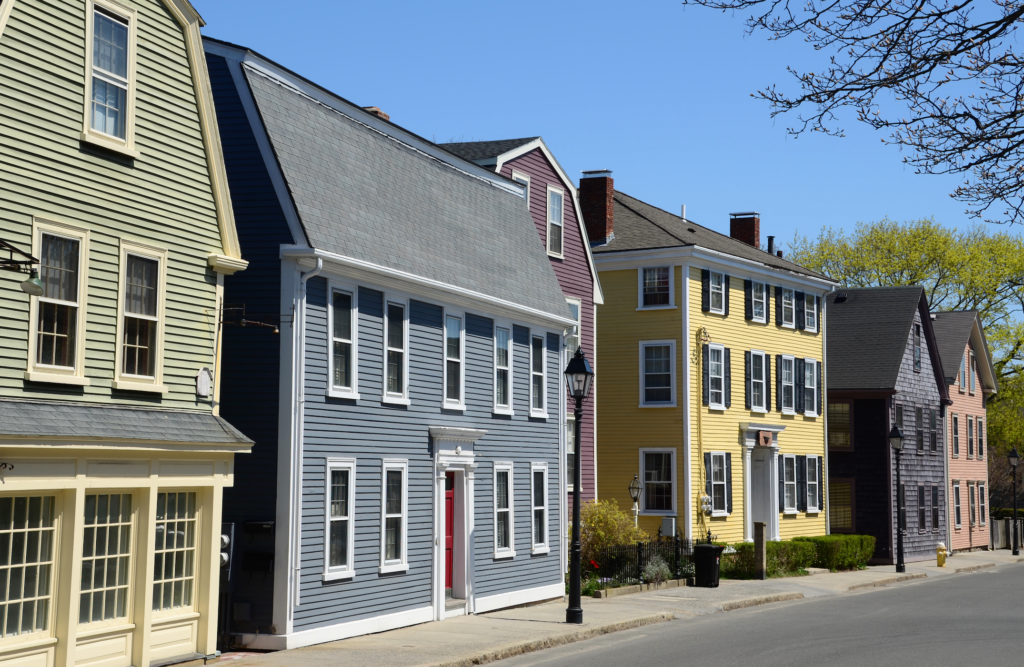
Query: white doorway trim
x: 749, y: 435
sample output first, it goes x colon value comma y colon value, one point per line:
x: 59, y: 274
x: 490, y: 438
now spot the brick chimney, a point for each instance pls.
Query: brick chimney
x: 596, y: 191
x: 746, y: 227
x: 377, y: 112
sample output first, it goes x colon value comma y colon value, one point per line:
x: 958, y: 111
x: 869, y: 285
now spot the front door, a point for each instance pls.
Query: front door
x: 449, y: 531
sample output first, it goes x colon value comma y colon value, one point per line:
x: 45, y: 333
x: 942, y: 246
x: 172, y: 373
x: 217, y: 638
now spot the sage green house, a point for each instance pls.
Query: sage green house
x: 112, y: 180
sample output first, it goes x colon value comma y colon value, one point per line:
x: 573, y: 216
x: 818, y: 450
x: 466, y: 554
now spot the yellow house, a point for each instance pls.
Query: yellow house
x: 711, y: 390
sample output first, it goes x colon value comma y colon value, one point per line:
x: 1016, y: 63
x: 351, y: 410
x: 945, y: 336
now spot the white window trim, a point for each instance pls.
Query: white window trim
x: 812, y: 508
x: 981, y: 515
x: 671, y: 288
x: 957, y: 517
x: 386, y: 396
x: 814, y: 412
x: 547, y: 233
x: 88, y: 135
x: 578, y: 327
x: 570, y: 423
x: 353, y: 291
x: 672, y: 359
x: 764, y: 381
x: 812, y: 301
x: 724, y: 483
x: 961, y: 376
x: 138, y: 382
x: 955, y: 432
x: 542, y: 413
x: 711, y: 404
x: 711, y: 292
x: 796, y: 485
x: 402, y: 564
x: 782, y: 308
x: 509, y: 552
x: 764, y: 299
x: 791, y: 410
x: 510, y: 408
x: 970, y: 437
x: 972, y: 504
x: 972, y: 374
x: 446, y: 403
x: 539, y: 547
x: 643, y: 480
x: 346, y: 571
x: 519, y: 177
x: 60, y: 374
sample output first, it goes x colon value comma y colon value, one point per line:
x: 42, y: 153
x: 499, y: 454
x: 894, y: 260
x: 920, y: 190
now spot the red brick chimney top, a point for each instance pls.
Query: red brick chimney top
x: 597, y: 191
x: 746, y: 227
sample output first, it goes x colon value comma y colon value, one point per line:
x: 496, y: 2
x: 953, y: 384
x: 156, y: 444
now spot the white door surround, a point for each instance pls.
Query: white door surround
x: 759, y: 460
x: 453, y: 452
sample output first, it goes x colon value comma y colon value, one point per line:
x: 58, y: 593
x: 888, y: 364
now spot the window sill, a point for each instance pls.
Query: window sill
x: 790, y: 512
x: 504, y: 555
x: 28, y: 644
x: 789, y: 412
x: 540, y: 550
x: 139, y: 386
x: 720, y: 408
x: 342, y: 393
x: 395, y: 400
x: 813, y: 511
x: 712, y: 311
x: 508, y: 412
x: 337, y: 576
x: 811, y: 415
x: 394, y: 567
x: 784, y: 325
x: 670, y: 307
x: 658, y: 405
x: 538, y: 415
x: 56, y: 378
x: 453, y: 407
x: 754, y: 320
x: 556, y: 255
x: 758, y: 410
x: 656, y: 513
x: 109, y: 144
x: 719, y: 514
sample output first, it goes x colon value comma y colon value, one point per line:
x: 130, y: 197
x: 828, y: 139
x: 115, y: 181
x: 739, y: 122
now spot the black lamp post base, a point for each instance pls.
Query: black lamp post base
x: 901, y: 568
x: 574, y: 615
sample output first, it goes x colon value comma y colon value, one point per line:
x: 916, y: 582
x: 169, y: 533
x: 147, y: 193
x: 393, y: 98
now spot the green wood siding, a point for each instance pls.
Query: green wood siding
x: 163, y: 198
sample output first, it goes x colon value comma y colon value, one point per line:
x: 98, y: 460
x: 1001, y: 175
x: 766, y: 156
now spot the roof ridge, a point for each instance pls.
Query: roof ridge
x: 486, y: 141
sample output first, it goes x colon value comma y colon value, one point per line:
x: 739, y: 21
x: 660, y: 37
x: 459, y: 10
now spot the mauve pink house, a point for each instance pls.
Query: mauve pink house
x: 556, y: 211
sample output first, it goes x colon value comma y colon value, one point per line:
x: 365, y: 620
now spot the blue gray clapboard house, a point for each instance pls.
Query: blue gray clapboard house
x: 407, y: 416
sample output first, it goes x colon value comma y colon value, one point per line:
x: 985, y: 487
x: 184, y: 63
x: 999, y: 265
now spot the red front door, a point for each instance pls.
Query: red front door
x: 449, y: 529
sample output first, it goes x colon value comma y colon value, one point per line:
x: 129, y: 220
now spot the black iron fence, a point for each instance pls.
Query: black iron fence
x: 625, y: 564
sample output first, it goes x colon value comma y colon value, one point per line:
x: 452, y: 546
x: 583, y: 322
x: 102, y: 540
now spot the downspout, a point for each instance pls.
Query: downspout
x: 300, y: 382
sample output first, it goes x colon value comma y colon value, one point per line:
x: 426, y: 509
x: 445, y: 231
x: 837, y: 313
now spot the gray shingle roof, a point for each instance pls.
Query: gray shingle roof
x: 867, y: 335
x: 638, y: 225
x: 58, y: 420
x: 367, y: 195
x: 484, y: 150
x: 952, y: 331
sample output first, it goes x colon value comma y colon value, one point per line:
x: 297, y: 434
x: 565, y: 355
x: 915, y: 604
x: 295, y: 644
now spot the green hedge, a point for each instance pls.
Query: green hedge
x: 1005, y: 513
x: 784, y: 558
x: 841, y: 552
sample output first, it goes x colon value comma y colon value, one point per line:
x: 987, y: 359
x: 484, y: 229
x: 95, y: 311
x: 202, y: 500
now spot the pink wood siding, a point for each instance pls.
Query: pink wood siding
x: 968, y: 468
x: 575, y: 278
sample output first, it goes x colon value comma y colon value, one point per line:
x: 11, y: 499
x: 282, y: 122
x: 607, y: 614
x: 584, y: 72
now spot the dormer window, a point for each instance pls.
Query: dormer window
x: 556, y: 202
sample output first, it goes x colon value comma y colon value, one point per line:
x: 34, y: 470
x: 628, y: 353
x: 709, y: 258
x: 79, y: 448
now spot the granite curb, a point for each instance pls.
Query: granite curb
x: 886, y: 581
x: 763, y: 599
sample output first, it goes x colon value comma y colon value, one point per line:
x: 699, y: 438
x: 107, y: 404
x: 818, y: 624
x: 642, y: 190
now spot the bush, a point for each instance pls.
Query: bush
x: 657, y: 571
x: 841, y: 552
x: 1005, y: 513
x: 603, y: 525
x: 784, y: 559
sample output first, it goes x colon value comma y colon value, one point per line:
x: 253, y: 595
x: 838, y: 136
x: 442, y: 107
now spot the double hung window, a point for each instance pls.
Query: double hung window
x: 981, y: 503
x: 58, y: 316
x: 840, y: 506
x: 503, y: 369
x: 810, y: 312
x: 556, y: 206
x: 106, y: 557
x: 174, y: 569
x: 111, y: 63
x: 656, y: 286
x: 970, y: 437
x: 935, y: 508
x: 717, y: 292
x: 919, y: 428
x: 970, y: 501
x: 956, y: 503
x: 504, y: 525
x: 759, y: 308
x: 340, y: 529
x: 658, y: 474
x: 27, y: 533
x: 972, y: 370
x: 933, y: 436
x: 840, y: 426
x: 396, y: 344
x: 539, y: 516
x: 789, y: 483
x: 572, y: 341
x: 716, y: 377
x: 788, y: 308
x: 343, y: 326
x: 962, y: 375
x: 140, y: 366
x: 955, y: 429
x: 538, y: 383
x: 917, y: 347
x: 788, y: 380
x: 813, y: 480
x: 719, y: 486
x: 394, y: 516
x: 657, y: 373
x: 922, y: 509
x: 453, y: 362
x: 981, y: 439
x: 758, y: 361
x: 810, y: 387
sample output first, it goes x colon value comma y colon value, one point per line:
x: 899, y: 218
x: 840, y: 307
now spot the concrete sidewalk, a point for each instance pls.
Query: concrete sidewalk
x: 473, y: 640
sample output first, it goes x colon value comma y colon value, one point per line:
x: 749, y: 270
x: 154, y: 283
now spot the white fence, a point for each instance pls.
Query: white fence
x: 1001, y: 533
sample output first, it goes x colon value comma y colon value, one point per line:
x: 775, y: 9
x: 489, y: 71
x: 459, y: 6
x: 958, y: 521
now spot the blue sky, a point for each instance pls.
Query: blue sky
x: 657, y: 92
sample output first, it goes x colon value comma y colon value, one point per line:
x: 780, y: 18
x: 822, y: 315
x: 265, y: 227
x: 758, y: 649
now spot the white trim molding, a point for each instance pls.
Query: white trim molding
x: 346, y: 570
x: 515, y: 598
x: 498, y: 468
x: 543, y: 546
x: 673, y: 483
x: 400, y: 564
x: 644, y: 344
x: 336, y: 391
x: 399, y: 397
x: 459, y: 317
x: 331, y: 633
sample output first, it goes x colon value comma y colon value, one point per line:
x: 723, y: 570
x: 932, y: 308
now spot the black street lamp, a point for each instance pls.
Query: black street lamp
x: 896, y: 442
x: 634, y: 492
x: 578, y: 377
x: 1014, y: 460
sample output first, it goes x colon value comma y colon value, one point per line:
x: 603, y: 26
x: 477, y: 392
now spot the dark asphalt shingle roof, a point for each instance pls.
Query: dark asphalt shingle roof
x: 638, y: 225
x: 867, y: 335
x: 371, y: 196
x: 484, y: 150
x: 58, y: 420
x: 952, y: 331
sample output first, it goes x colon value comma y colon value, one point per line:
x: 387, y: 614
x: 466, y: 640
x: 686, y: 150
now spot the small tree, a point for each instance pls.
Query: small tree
x: 603, y: 525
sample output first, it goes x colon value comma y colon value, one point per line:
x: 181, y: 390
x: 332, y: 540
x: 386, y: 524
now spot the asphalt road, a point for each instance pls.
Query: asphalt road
x: 968, y: 619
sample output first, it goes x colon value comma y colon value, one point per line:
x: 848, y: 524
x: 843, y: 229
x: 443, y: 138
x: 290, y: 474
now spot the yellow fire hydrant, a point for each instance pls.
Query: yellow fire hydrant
x: 940, y: 554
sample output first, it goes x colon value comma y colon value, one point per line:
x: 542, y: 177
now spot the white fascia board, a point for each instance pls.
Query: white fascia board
x: 539, y: 143
x: 991, y: 384
x: 426, y: 288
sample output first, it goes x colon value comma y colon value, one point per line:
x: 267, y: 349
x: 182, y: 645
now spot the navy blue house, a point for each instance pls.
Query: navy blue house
x: 408, y: 418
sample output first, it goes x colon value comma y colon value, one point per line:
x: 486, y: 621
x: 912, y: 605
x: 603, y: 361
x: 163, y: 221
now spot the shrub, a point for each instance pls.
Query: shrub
x: 784, y: 558
x: 1005, y: 513
x: 657, y: 570
x: 603, y: 525
x: 841, y: 552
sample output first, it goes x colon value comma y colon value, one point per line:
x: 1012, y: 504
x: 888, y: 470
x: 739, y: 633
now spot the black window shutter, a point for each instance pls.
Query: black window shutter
x: 746, y: 374
x: 801, y: 483
x: 798, y: 385
x: 707, y: 473
x: 800, y: 320
x: 725, y: 290
x: 728, y: 481
x: 706, y: 374
x: 767, y: 304
x: 727, y: 379
x: 821, y: 488
x: 705, y: 290
x: 748, y: 299
x: 782, y: 482
x: 765, y: 359
x: 778, y: 306
x: 778, y: 382
x: 821, y: 389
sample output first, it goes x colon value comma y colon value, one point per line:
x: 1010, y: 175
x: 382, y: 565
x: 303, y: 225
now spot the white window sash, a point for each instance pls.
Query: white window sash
x: 507, y: 408
x: 129, y: 18
x: 812, y: 496
x: 981, y: 505
x: 77, y: 369
x: 352, y: 391
x: 712, y: 403
x: 570, y: 450
x: 720, y: 291
x: 449, y: 403
x: 724, y: 485
x: 510, y: 550
x: 791, y: 385
x: 573, y: 340
x: 553, y: 222
x: 672, y: 480
x: 541, y: 412
x: 640, y: 288
x: 956, y: 505
x: 400, y: 564
x: 788, y: 311
x: 758, y: 360
x: 347, y: 570
x: 140, y: 381
x: 671, y: 345
x: 811, y: 364
x: 523, y: 179
x: 789, y: 459
x: 402, y: 397
x: 543, y: 546
x: 762, y: 301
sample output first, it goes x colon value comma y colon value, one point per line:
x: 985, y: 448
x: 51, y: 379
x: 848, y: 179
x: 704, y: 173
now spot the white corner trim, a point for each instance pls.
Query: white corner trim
x: 5, y: 13
x: 339, y: 631
x: 226, y: 265
x: 525, y: 596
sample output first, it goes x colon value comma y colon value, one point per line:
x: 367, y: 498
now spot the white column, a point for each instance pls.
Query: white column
x: 470, y: 524
x: 748, y: 524
x: 773, y: 465
x: 439, y: 533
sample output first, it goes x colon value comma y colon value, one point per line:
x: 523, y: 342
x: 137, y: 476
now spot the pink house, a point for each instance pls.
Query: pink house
x: 555, y: 208
x: 967, y: 367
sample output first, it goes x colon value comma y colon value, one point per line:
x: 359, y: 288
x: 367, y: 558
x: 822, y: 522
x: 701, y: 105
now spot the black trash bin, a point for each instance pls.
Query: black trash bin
x: 706, y: 561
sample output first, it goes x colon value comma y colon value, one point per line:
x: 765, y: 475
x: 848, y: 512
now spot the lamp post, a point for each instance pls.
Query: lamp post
x: 23, y: 264
x: 634, y: 493
x: 896, y: 442
x: 578, y: 377
x: 1014, y: 460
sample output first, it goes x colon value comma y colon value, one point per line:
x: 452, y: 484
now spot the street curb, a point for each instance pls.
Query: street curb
x: 764, y: 599
x: 886, y: 582
x: 605, y: 593
x: 974, y: 568
x: 559, y: 640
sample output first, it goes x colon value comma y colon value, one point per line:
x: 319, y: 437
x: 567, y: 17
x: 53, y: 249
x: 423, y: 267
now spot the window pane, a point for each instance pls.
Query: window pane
x: 501, y: 345
x: 839, y: 425
x: 396, y: 326
x: 56, y: 336
x: 342, y: 364
x: 503, y: 530
x: 555, y: 239
x: 840, y: 506
x: 452, y: 389
x: 140, y: 286
x: 758, y: 294
x: 339, y: 543
x: 342, y: 316
x: 394, y: 492
x: 26, y: 559
x: 110, y: 44
x: 139, y: 347
x: 453, y: 330
x: 656, y: 286
x: 106, y: 556
x: 538, y: 488
x: 501, y: 492
x: 109, y: 107
x: 58, y: 268
x: 717, y: 283
x: 657, y: 374
x: 393, y: 539
x: 657, y: 481
x: 339, y: 493
x: 395, y: 370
